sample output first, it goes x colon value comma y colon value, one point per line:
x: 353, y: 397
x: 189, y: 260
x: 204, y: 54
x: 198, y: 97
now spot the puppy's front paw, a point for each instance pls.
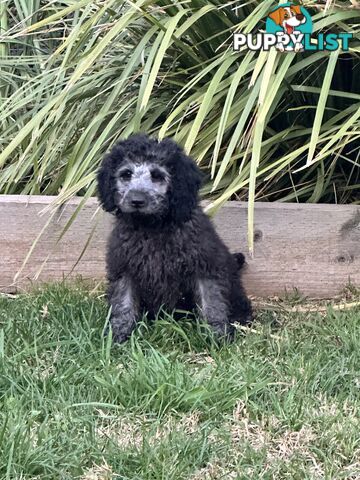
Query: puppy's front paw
x: 120, y: 338
x: 119, y: 334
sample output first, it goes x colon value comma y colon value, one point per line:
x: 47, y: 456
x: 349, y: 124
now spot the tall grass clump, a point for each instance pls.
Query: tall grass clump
x: 77, y: 76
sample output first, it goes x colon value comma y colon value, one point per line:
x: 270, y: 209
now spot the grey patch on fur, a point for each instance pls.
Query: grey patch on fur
x: 124, y: 309
x: 213, y: 305
x: 141, y: 184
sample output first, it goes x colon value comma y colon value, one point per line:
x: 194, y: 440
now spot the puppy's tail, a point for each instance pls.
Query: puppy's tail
x: 239, y: 259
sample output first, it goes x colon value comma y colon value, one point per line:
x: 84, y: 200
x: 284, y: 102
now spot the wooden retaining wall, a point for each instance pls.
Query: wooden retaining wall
x: 315, y: 248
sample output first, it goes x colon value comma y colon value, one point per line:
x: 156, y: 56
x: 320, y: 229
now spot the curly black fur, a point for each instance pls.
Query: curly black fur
x: 174, y: 258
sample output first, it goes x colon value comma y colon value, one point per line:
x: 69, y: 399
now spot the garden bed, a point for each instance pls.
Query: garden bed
x: 314, y: 248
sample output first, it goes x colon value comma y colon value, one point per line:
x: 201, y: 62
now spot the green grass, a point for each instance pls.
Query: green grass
x: 282, y: 402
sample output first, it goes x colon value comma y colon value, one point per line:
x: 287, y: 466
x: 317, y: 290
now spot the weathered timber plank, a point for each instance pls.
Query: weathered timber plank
x: 315, y: 248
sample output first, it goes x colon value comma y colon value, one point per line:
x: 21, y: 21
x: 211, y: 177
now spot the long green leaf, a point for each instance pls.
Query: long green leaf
x: 321, y: 104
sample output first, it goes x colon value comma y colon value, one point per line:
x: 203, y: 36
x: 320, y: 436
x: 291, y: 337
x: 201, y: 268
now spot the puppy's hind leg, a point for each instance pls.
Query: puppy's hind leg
x: 124, y: 309
x: 214, y: 307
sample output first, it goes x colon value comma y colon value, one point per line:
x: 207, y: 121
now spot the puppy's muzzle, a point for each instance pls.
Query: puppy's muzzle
x: 137, y: 199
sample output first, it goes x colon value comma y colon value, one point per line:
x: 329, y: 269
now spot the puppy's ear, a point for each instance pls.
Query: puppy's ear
x: 296, y: 9
x: 277, y: 16
x: 106, y: 183
x: 186, y: 182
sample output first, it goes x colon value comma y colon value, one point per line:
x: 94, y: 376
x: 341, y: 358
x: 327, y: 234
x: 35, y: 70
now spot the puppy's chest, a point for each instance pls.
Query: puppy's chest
x: 159, y: 259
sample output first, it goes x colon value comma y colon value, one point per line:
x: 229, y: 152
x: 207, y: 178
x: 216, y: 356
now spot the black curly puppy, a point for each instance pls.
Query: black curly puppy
x: 163, y: 250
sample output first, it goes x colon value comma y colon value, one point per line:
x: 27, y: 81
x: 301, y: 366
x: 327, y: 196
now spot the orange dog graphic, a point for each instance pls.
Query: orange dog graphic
x: 289, y: 18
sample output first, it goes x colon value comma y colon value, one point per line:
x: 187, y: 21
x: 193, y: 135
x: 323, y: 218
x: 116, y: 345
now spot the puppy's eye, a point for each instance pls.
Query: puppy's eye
x: 157, y: 176
x: 125, y: 174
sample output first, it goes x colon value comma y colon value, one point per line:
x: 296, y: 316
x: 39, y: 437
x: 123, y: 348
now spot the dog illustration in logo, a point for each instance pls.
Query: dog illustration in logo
x: 288, y: 18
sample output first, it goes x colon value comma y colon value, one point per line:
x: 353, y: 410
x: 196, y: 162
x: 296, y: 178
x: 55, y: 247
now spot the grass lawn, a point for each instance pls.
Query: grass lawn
x: 282, y: 402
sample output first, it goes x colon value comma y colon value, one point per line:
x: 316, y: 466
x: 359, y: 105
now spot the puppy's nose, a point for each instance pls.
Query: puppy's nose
x: 137, y: 199
x: 299, y: 16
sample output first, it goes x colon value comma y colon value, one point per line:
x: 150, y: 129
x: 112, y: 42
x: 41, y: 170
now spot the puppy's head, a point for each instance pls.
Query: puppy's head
x: 143, y: 177
x: 288, y: 17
